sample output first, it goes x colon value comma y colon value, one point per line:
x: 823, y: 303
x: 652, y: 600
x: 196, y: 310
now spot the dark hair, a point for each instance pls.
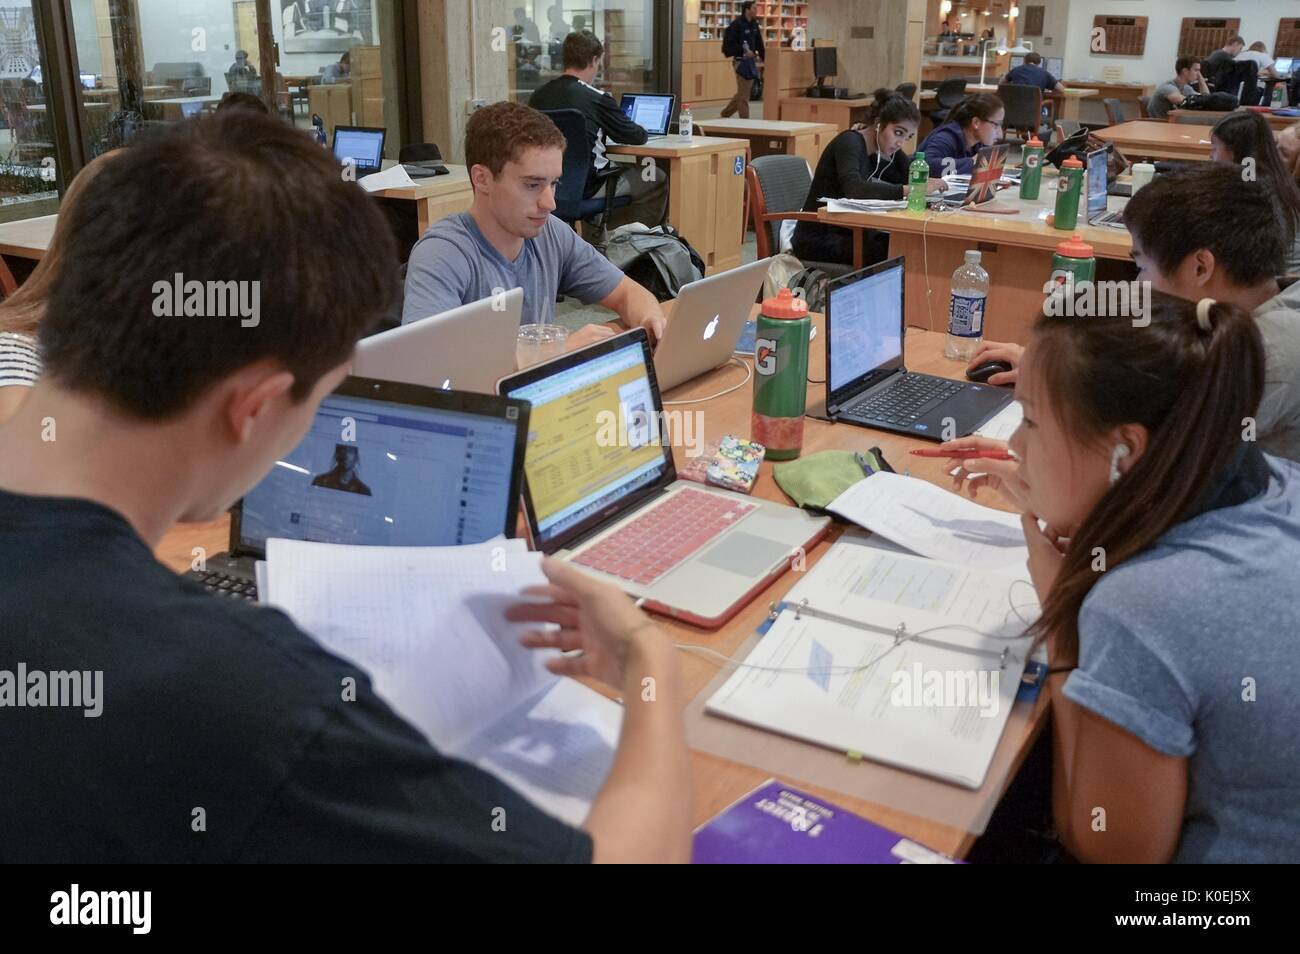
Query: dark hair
x: 1235, y: 39
x: 237, y: 198
x: 1033, y: 57
x: 242, y: 101
x: 744, y: 7
x: 891, y: 106
x: 1249, y: 136
x: 580, y: 49
x: 1185, y: 63
x: 1210, y: 206
x: 975, y: 106
x: 1189, y: 388
x: 500, y: 133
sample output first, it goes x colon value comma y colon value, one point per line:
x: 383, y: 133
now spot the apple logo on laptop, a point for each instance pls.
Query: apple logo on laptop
x: 711, y: 327
x: 446, y: 385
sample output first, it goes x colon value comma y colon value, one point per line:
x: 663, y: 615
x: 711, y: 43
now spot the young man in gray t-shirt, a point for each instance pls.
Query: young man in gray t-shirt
x: 509, y: 239
x: 1170, y: 95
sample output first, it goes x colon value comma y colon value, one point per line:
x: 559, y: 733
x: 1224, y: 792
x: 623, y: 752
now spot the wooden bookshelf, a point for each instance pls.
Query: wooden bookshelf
x: 778, y: 19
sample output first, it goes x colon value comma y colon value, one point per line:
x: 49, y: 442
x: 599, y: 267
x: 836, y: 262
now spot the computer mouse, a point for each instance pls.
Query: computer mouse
x: 982, y: 372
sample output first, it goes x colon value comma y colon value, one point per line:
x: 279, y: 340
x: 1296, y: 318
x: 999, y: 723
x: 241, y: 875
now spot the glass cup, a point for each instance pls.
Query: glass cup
x: 538, y: 343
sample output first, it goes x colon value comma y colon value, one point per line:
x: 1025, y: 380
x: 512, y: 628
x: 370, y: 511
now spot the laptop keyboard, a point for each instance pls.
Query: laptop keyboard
x: 222, y: 584
x: 906, y: 400
x: 662, y: 537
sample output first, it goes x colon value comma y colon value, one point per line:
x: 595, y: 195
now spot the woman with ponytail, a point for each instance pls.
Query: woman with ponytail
x: 865, y: 162
x: 975, y: 122
x: 1164, y: 548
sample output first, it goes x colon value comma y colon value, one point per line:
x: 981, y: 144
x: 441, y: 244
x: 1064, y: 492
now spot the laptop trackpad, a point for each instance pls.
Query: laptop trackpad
x: 746, y: 554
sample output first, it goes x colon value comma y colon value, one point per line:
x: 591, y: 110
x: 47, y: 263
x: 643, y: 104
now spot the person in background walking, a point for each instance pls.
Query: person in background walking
x: 743, y: 42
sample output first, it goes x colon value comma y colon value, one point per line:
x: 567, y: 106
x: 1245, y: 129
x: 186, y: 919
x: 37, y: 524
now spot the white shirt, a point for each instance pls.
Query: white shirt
x: 1260, y: 59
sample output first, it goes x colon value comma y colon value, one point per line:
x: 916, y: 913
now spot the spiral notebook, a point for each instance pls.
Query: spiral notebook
x: 885, y: 655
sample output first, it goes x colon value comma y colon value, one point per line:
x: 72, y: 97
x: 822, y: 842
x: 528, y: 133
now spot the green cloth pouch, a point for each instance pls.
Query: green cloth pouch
x: 814, y: 481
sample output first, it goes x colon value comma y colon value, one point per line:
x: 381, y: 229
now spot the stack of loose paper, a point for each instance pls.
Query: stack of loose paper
x: 934, y: 522
x: 1004, y: 423
x: 864, y: 205
x: 427, y: 625
x: 395, y: 177
x: 832, y: 673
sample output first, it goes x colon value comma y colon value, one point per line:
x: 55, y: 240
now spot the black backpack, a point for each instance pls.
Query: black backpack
x: 658, y: 259
x: 810, y: 285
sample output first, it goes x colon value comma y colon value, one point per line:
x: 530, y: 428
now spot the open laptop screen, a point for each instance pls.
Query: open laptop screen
x: 1097, y: 183
x: 651, y: 111
x: 390, y: 473
x: 865, y: 324
x: 593, y: 437
x: 365, y: 147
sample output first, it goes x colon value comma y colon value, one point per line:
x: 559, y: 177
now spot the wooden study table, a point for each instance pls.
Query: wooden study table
x: 435, y: 197
x: 1016, y: 251
x: 768, y: 137
x: 842, y: 113
x: 1208, y: 117
x: 706, y: 192
x: 1067, y: 103
x: 1153, y: 139
x: 28, y: 238
x: 716, y: 781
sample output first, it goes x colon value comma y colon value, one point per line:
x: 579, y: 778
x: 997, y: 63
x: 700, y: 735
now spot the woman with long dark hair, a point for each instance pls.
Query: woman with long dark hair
x: 1163, y: 547
x: 866, y: 162
x: 1246, y: 139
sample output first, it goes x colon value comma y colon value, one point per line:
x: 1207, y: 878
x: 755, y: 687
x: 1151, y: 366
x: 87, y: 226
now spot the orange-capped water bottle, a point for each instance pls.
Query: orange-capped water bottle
x: 780, y: 375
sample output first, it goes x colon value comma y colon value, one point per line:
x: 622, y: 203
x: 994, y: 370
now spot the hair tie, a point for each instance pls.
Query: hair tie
x: 1203, y: 314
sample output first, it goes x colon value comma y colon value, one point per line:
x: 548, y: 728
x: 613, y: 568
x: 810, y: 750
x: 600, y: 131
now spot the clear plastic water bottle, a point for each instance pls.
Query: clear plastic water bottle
x: 685, y: 122
x: 970, y: 291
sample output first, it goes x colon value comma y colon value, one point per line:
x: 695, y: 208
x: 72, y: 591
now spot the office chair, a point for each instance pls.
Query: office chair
x: 777, y: 187
x: 1024, y: 110
x: 571, y: 202
x: 419, y: 152
x: 949, y: 94
x: 907, y: 90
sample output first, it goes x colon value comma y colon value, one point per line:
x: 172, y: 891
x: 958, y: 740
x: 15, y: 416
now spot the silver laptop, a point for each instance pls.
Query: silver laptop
x: 653, y: 112
x: 469, y: 348
x: 601, y: 490
x: 706, y: 323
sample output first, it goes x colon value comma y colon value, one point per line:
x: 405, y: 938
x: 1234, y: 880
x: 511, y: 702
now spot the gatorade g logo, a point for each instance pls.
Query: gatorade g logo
x: 1063, y: 184
x: 765, y: 356
x: 1032, y: 160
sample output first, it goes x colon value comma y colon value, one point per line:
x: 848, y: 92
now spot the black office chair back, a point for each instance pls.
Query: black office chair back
x: 419, y: 152
x: 1115, y: 111
x: 949, y: 94
x: 577, y: 160
x: 785, y: 181
x: 907, y: 90
x: 1024, y: 106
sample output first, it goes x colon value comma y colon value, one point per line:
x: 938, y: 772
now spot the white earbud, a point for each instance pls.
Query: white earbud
x: 1118, y: 454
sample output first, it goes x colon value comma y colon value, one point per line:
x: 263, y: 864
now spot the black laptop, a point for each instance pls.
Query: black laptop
x: 867, y: 381
x: 384, y: 464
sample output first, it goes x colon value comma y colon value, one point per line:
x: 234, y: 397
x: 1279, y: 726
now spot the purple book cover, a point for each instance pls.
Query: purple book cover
x: 777, y: 824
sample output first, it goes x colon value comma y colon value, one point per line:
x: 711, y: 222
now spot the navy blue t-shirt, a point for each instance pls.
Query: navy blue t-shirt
x: 1031, y: 74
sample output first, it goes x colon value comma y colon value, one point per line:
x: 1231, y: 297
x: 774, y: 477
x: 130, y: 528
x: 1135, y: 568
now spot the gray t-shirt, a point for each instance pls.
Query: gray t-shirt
x: 453, y: 265
x: 1173, y: 642
x: 1158, y: 106
x: 1278, y: 420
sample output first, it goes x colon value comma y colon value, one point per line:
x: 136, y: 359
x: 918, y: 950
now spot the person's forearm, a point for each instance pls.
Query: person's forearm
x: 643, y: 812
x: 636, y: 304
x: 1065, y: 716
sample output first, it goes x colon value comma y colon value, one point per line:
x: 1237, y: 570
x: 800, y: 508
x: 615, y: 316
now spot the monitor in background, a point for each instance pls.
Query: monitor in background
x: 1097, y: 186
x: 867, y: 333
x: 1284, y: 66
x: 88, y: 80
x: 380, y: 472
x: 651, y: 111
x: 189, y: 110
x: 362, y: 146
x: 1015, y: 62
x: 1056, y: 66
x: 825, y: 63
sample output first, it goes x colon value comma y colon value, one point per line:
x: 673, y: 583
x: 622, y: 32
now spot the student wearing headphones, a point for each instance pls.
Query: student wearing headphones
x: 1165, y: 568
x: 1182, y: 248
x: 975, y: 122
x: 865, y: 162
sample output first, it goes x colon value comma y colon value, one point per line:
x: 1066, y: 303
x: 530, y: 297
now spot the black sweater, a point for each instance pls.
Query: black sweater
x: 847, y: 171
x: 604, y: 120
